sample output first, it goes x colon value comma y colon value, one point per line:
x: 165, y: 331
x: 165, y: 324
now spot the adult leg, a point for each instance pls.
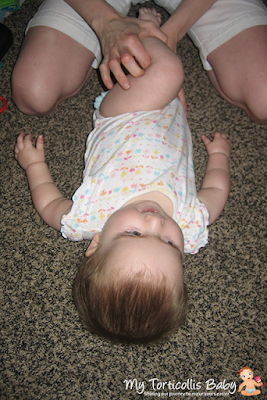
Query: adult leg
x: 239, y: 71
x: 51, y: 68
x: 56, y: 57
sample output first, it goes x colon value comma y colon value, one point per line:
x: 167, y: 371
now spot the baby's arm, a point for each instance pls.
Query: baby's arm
x: 47, y: 199
x: 217, y: 181
x: 256, y: 383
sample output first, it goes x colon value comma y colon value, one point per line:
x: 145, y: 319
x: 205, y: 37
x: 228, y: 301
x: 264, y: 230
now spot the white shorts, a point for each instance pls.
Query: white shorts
x: 224, y: 20
x: 59, y: 15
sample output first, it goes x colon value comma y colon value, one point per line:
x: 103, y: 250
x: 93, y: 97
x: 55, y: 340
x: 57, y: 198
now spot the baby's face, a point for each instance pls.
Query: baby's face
x: 246, y: 374
x: 142, y: 233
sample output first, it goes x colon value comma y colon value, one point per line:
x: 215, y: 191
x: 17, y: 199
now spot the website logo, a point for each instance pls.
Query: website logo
x: 249, y: 387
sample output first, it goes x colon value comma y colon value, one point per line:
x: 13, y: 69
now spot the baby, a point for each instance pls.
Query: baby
x: 246, y: 374
x: 137, y: 204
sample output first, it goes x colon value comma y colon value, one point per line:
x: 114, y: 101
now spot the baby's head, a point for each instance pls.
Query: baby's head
x: 246, y: 373
x: 130, y: 285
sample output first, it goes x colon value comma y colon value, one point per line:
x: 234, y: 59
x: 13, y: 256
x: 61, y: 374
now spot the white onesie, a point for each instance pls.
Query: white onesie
x: 132, y: 154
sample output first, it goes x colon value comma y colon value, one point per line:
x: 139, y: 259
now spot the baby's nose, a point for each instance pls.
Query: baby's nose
x: 154, y: 219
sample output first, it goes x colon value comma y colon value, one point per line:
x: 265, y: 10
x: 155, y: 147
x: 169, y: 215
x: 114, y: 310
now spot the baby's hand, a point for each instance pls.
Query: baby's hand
x: 219, y: 144
x: 26, y: 154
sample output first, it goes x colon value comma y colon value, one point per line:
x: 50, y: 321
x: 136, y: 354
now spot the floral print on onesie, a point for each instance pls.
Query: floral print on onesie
x: 132, y: 154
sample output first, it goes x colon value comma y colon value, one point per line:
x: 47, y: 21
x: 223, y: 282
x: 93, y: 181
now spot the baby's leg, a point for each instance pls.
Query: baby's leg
x: 157, y: 87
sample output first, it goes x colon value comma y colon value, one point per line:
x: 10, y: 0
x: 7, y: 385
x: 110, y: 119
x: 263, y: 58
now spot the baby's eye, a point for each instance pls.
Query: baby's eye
x: 134, y: 233
x: 171, y: 243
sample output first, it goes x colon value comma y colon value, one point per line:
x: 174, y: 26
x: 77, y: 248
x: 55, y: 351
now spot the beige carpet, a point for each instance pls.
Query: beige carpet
x: 46, y: 353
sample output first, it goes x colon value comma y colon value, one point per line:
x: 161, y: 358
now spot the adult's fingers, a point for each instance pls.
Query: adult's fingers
x: 105, y: 74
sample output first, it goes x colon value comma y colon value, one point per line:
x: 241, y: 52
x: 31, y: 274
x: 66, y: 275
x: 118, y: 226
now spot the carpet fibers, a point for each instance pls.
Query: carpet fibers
x: 46, y: 352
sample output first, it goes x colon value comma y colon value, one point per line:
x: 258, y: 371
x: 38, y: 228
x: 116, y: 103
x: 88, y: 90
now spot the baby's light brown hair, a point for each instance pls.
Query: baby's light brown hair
x: 137, y: 308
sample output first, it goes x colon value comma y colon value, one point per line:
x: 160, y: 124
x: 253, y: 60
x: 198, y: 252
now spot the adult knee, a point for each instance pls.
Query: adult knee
x: 31, y: 97
x: 257, y: 109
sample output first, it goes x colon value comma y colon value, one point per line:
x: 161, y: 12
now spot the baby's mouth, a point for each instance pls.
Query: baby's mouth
x: 152, y: 210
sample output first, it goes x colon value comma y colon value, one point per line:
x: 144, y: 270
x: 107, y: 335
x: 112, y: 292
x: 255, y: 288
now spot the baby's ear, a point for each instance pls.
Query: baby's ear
x: 93, y: 245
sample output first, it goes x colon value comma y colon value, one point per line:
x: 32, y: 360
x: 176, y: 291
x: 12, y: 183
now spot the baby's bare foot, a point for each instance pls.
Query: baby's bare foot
x: 150, y: 14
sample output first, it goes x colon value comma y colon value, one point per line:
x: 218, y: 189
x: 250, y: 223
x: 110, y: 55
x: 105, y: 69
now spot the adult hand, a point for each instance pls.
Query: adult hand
x: 121, y: 44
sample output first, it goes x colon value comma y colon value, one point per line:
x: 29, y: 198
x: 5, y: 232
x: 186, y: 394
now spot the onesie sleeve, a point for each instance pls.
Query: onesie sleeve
x: 81, y: 222
x: 194, y: 228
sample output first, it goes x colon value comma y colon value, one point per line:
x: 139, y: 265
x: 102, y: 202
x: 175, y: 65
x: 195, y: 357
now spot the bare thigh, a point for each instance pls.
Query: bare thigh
x: 159, y: 85
x: 239, y: 71
x: 51, y: 67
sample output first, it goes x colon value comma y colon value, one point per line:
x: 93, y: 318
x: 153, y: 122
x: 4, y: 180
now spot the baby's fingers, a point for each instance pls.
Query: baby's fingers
x: 205, y: 140
x: 28, y: 141
x: 40, y: 143
x: 20, y: 142
x: 216, y: 134
x: 16, y: 152
x: 219, y: 135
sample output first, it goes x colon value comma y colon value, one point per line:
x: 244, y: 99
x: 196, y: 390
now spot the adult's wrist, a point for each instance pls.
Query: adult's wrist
x: 100, y: 21
x: 96, y: 13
